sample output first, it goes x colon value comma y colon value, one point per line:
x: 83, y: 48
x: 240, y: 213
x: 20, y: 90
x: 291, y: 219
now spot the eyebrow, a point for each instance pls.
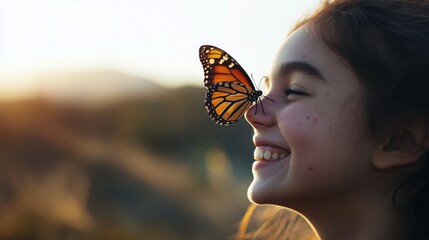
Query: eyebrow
x: 304, y: 67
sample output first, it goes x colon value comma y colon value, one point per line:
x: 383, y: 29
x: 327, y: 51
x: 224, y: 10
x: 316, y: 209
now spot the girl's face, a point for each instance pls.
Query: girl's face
x: 312, y: 140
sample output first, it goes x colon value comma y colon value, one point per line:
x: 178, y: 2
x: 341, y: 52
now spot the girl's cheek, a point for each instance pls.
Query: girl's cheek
x: 296, y: 123
x: 302, y: 117
x: 303, y: 126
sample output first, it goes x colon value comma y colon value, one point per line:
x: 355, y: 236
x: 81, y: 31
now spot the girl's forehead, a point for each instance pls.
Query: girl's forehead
x: 305, y: 47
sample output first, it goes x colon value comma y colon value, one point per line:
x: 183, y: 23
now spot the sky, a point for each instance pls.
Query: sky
x: 152, y: 39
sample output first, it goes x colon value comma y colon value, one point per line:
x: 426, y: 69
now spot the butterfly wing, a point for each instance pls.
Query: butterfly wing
x: 219, y: 66
x: 230, y: 91
x: 226, y: 102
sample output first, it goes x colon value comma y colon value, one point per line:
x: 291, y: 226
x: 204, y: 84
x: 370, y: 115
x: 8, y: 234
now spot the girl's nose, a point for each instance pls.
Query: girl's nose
x: 261, y: 114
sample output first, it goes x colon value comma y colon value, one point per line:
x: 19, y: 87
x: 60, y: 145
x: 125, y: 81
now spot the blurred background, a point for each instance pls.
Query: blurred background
x: 103, y: 131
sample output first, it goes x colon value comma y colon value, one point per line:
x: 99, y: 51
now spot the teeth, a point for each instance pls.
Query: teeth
x: 267, y: 155
x: 275, y: 156
x: 260, y: 154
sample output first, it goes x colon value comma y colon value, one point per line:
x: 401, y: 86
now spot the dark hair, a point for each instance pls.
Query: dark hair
x: 386, y: 44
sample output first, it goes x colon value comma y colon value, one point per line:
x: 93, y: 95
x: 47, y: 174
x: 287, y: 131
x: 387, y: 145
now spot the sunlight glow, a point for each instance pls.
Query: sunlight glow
x: 153, y: 39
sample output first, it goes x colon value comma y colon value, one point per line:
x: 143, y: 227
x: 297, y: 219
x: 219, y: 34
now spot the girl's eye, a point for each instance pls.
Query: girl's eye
x: 294, y: 90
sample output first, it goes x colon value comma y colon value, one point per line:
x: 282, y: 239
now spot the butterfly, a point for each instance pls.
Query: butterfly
x: 230, y: 91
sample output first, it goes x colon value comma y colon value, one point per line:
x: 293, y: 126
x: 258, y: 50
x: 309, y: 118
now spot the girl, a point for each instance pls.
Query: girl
x: 344, y: 134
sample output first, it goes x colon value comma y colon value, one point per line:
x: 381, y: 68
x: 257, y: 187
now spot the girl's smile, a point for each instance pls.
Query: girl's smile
x: 269, y: 154
x: 313, y: 132
x: 343, y: 137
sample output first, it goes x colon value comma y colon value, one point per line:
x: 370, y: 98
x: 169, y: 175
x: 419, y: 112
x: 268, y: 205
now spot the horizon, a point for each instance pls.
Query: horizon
x: 94, y: 86
x: 136, y: 38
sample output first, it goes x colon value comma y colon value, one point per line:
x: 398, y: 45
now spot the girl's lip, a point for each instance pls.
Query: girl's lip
x: 259, y: 165
x: 264, y: 143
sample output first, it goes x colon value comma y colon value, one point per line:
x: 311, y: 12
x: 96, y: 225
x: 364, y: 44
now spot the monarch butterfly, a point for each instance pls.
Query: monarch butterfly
x: 230, y: 91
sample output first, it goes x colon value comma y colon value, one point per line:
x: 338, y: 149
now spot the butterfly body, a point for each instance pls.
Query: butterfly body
x: 230, y: 91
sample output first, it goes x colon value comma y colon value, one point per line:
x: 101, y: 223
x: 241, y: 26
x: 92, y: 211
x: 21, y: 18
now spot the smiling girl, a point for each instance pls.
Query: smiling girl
x: 344, y: 134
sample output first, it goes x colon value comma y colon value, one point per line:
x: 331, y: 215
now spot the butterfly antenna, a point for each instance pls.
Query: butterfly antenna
x: 253, y: 80
x: 263, y: 96
x: 263, y: 78
x: 259, y: 87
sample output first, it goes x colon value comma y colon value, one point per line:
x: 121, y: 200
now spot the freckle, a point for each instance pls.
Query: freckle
x: 308, y: 117
x: 304, y: 56
x: 310, y: 168
x: 320, y: 114
x: 299, y: 124
x: 315, y: 120
x: 327, y: 94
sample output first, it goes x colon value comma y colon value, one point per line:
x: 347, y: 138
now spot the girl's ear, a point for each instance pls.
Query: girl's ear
x: 404, y: 146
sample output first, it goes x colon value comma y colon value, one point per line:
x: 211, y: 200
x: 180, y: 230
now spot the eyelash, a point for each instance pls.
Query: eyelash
x: 292, y: 90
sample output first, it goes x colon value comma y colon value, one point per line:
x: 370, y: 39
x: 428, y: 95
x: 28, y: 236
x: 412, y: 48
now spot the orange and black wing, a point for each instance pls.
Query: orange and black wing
x: 226, y: 102
x: 219, y: 66
x: 230, y: 92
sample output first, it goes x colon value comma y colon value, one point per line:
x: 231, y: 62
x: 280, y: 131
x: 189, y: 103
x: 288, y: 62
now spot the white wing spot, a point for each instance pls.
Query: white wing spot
x: 211, y: 61
x: 231, y: 65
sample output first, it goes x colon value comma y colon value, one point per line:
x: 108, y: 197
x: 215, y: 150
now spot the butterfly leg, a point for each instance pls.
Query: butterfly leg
x: 256, y: 108
x: 262, y: 105
x: 272, y: 100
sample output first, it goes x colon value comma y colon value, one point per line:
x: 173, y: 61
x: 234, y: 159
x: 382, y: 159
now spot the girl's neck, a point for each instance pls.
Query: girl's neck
x: 361, y: 216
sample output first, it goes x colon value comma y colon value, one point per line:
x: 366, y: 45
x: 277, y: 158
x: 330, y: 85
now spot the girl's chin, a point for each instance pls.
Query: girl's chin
x: 269, y: 179
x: 259, y: 192
x: 254, y: 196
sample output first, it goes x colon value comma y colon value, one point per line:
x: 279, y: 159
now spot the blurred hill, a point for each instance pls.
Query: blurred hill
x: 139, y: 166
x: 93, y: 86
x: 145, y: 164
